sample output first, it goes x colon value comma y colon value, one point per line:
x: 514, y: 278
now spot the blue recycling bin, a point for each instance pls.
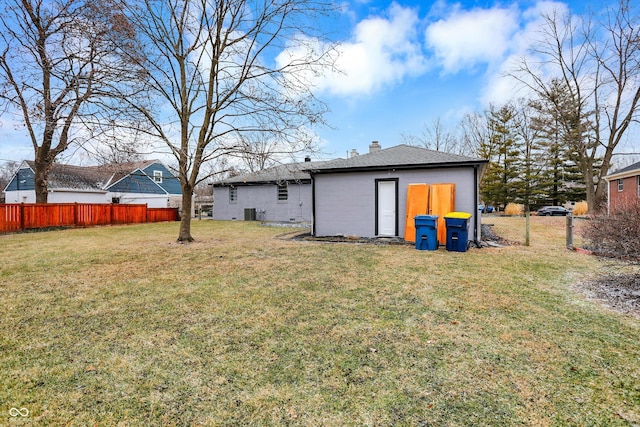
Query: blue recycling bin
x: 457, y: 224
x: 426, y: 232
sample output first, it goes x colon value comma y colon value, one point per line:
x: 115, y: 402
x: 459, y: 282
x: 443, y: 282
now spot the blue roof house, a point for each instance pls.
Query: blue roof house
x: 146, y: 182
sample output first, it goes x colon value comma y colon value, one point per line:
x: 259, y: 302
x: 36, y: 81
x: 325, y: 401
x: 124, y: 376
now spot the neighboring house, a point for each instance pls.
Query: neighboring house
x: 623, y: 186
x: 366, y: 195
x: 144, y: 182
x: 277, y: 194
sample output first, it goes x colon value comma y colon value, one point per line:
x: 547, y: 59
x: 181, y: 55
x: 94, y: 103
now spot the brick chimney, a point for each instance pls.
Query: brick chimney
x: 354, y: 152
x: 375, y: 146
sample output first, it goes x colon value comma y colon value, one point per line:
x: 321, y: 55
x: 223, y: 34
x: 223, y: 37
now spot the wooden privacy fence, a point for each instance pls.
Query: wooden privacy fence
x: 25, y: 216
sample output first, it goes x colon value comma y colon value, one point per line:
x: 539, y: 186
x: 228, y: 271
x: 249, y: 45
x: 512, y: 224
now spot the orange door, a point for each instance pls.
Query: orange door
x: 417, y: 201
x: 442, y: 200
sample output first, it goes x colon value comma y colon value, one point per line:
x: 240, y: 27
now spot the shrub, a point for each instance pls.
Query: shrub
x: 617, y: 233
x: 581, y: 208
x: 514, y: 209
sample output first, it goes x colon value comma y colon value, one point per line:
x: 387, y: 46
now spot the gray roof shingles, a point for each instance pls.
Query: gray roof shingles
x: 633, y: 167
x: 287, y: 172
x: 399, y: 156
x: 96, y: 178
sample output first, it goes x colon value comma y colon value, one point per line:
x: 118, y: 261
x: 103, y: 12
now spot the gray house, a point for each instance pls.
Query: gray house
x: 278, y: 194
x: 366, y: 195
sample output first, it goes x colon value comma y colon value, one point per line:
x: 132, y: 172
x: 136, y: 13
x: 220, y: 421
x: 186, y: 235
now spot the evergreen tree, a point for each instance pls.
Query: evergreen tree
x: 529, y: 188
x: 559, y: 128
x: 500, y: 181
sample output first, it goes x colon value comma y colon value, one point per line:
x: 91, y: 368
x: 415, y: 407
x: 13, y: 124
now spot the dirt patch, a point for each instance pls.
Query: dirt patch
x: 620, y: 292
x: 489, y: 238
x: 353, y: 239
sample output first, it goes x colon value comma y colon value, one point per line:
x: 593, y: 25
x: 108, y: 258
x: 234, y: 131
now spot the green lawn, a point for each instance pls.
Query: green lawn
x: 122, y: 326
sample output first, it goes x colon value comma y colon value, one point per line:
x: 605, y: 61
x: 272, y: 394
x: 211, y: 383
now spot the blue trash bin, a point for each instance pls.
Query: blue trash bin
x: 457, y: 224
x: 426, y: 232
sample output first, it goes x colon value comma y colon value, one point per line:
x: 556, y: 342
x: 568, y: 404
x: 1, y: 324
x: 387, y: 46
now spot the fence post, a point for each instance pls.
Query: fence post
x: 527, y: 227
x: 22, y: 216
x: 570, y: 231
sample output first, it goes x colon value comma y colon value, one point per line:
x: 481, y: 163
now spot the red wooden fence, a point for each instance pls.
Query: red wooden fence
x: 25, y: 216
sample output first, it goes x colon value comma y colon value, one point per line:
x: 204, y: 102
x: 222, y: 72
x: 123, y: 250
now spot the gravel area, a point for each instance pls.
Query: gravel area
x: 619, y: 292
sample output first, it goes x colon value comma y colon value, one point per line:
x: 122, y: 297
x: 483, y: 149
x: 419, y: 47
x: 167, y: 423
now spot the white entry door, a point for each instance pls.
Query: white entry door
x: 386, y: 209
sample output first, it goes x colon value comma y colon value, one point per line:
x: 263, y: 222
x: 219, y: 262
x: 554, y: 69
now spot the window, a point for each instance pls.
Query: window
x: 157, y: 176
x: 620, y: 184
x: 233, y: 194
x: 283, y: 192
x: 115, y: 200
x: 638, y: 179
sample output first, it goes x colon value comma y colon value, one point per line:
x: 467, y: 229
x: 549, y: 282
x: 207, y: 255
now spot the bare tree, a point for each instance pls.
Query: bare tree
x: 617, y: 94
x: 435, y: 136
x: 259, y: 150
x: 597, y: 64
x: 110, y: 143
x: 563, y: 52
x: 226, y: 68
x: 7, y: 169
x: 62, y: 63
x: 475, y: 132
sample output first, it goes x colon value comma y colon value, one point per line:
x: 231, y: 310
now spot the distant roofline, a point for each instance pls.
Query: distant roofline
x: 227, y: 183
x: 349, y: 169
x: 386, y: 159
x: 626, y: 172
x: 293, y: 173
x: 106, y: 175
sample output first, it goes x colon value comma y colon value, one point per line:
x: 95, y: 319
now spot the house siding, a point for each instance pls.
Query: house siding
x: 21, y: 189
x: 170, y: 183
x: 264, y: 198
x: 22, y: 181
x: 77, y: 197
x: 137, y: 182
x: 629, y: 191
x: 345, y: 202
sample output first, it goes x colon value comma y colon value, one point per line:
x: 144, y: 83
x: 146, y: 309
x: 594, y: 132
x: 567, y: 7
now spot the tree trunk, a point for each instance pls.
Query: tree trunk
x: 184, y: 235
x: 592, y: 201
x: 40, y: 180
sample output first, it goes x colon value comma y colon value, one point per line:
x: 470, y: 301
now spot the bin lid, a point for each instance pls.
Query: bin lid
x: 425, y: 217
x: 460, y: 215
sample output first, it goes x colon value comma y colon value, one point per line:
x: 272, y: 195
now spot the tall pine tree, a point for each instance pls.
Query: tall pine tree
x: 500, y: 181
x: 558, y: 126
x: 533, y: 157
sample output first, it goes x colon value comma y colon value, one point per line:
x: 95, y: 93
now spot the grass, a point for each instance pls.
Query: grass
x: 121, y: 326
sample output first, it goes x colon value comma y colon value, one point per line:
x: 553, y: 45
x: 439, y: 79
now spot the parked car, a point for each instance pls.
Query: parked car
x: 552, y: 211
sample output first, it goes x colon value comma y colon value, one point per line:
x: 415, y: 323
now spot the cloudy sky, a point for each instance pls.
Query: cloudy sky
x: 407, y: 63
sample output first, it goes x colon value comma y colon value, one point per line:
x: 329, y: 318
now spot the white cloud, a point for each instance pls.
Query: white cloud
x: 467, y: 38
x: 500, y: 88
x: 383, y: 50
